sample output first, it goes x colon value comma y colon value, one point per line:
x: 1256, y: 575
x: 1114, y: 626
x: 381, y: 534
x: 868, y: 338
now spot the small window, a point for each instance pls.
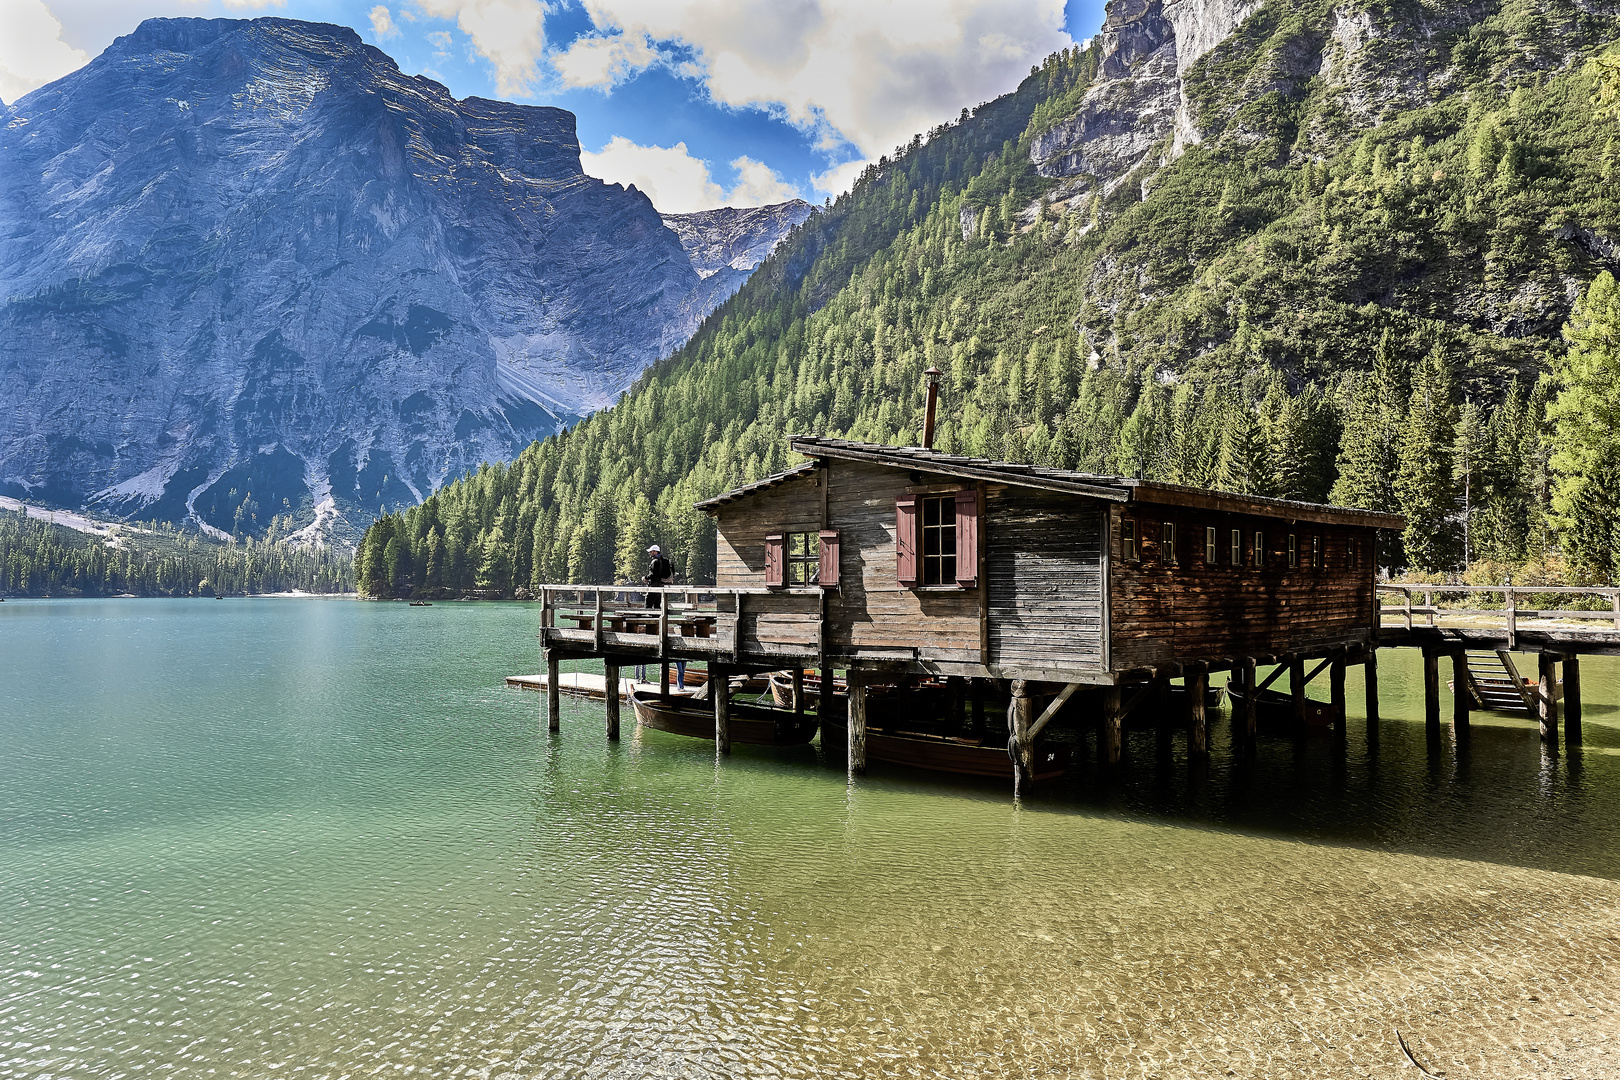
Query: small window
x: 1293, y: 551
x: 1259, y: 550
x: 1212, y: 550
x: 1127, y: 539
x: 939, y: 540
x: 1237, y: 548
x: 803, y: 558
x: 1316, y: 551
x: 1355, y: 555
x: 1167, y: 554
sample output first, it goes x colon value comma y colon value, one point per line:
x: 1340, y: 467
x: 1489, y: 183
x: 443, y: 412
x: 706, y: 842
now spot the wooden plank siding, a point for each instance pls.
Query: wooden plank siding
x: 872, y: 615
x: 1045, y: 564
x: 1198, y: 611
x: 793, y: 506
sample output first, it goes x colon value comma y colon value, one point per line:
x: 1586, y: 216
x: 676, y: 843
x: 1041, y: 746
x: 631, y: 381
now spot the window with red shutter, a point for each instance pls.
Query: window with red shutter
x: 775, y: 562
x: 829, y: 558
x: 967, y: 538
x: 905, y: 539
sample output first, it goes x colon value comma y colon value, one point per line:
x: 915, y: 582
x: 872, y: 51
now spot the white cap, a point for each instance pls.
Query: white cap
x: 655, y: 547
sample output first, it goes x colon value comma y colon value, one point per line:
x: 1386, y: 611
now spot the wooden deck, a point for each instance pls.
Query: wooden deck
x: 584, y: 684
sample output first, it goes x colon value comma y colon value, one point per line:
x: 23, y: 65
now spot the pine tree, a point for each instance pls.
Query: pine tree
x: 1585, y: 421
x: 1424, y: 481
x: 1245, y: 456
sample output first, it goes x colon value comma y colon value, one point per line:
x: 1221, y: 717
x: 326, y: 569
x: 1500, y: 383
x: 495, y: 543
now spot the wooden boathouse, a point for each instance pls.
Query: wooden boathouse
x: 897, y: 563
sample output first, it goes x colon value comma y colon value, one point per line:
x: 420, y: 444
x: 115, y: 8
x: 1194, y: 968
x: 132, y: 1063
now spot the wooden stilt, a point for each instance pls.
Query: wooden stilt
x: 1460, y: 698
x: 1572, y: 702
x: 1197, y: 717
x: 1431, y: 692
x: 824, y: 696
x: 553, y: 691
x: 857, y: 724
x: 1370, y: 672
x: 798, y: 691
x: 663, y: 681
x: 1249, y: 725
x: 610, y: 686
x: 1111, y: 723
x: 976, y: 697
x: 720, y: 691
x: 1296, y: 686
x: 1020, y: 711
x: 1547, y: 699
x: 1336, y: 696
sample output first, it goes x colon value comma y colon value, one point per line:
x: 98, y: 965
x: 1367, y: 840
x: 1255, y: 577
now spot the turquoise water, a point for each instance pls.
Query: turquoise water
x: 320, y: 838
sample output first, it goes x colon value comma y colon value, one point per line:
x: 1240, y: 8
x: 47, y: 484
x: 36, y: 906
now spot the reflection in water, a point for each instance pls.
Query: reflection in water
x: 282, y: 838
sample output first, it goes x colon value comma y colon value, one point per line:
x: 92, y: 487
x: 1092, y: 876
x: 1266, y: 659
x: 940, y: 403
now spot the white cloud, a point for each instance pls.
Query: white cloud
x: 869, y: 72
x: 758, y: 185
x: 604, y: 61
x: 382, y: 23
x: 678, y: 183
x: 838, y: 179
x: 510, y: 34
x: 32, y: 52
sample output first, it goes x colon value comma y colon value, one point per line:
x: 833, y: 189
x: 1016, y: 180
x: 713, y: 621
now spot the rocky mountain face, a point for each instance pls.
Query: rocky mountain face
x: 728, y: 244
x: 251, y: 270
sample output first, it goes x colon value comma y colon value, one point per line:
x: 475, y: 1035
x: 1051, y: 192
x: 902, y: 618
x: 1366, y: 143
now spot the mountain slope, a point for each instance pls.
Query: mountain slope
x: 1246, y: 270
x: 249, y: 268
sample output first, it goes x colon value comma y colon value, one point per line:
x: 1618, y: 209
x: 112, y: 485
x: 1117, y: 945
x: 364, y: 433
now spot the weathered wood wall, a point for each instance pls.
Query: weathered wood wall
x: 1194, y: 611
x: 792, y: 506
x: 1045, y: 564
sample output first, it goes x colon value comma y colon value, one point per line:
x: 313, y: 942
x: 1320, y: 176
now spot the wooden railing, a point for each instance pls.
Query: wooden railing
x: 1507, y: 610
x: 686, y: 615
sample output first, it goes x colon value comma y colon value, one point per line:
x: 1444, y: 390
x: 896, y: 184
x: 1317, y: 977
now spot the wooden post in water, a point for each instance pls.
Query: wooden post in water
x: 857, y: 722
x: 1336, y: 702
x: 1197, y: 682
x: 1547, y: 663
x: 1370, y: 672
x: 798, y: 690
x: 1460, y: 701
x: 553, y: 691
x: 1431, y: 692
x: 610, y: 684
x: 1110, y: 734
x: 824, y: 697
x: 663, y: 681
x: 1020, y: 711
x: 1248, y: 724
x: 976, y: 702
x: 1572, y: 702
x: 1296, y: 686
x: 720, y: 691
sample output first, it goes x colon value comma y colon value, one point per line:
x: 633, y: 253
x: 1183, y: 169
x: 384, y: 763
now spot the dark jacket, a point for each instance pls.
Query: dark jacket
x: 660, y: 572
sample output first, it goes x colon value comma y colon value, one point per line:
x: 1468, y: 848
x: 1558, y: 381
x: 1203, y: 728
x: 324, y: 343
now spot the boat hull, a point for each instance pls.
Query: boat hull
x: 1274, y: 710
x: 749, y: 724
x: 959, y: 756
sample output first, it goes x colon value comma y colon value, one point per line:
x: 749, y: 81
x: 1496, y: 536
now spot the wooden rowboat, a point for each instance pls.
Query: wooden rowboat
x: 943, y: 753
x: 1274, y: 710
x: 755, y: 725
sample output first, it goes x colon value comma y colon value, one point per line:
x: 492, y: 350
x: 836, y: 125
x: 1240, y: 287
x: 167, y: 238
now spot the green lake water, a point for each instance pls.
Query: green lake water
x: 319, y: 838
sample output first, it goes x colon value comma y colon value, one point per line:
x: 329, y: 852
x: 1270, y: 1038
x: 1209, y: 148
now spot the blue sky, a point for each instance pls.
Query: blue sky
x: 700, y: 102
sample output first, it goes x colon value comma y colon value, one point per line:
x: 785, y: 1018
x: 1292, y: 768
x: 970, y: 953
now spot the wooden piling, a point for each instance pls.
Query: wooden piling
x: 663, y: 681
x: 720, y: 692
x: 1431, y: 692
x: 857, y: 723
x: 1111, y: 723
x: 1547, y: 699
x: 1249, y: 725
x: 1296, y: 687
x: 553, y: 691
x: 824, y: 696
x: 1197, y: 682
x: 1369, y: 670
x: 610, y: 685
x: 1336, y: 699
x: 1020, y: 713
x: 976, y: 701
x: 1460, y: 698
x: 1572, y: 701
x: 798, y: 690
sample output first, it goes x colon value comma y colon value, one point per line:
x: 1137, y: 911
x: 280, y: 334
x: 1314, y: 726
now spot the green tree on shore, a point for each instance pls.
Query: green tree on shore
x: 1585, y: 419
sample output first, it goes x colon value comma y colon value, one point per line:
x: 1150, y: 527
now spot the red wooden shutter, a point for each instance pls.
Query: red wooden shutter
x: 775, y: 562
x: 905, y: 539
x: 967, y: 538
x: 829, y: 558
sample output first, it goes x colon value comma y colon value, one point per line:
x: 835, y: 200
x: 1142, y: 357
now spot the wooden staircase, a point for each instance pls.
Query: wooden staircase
x: 1494, y: 683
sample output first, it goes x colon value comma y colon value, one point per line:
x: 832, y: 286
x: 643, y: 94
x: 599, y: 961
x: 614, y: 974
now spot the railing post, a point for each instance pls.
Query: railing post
x: 737, y: 634
x: 1615, y: 597
x: 598, y: 620
x: 1513, y: 617
x: 663, y: 624
x: 1406, y: 599
x: 1428, y: 602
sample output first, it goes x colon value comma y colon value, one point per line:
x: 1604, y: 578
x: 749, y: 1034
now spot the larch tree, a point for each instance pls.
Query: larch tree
x: 1424, y: 480
x: 1585, y: 421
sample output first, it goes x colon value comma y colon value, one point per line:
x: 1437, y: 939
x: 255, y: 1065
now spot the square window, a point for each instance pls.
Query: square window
x: 939, y: 540
x: 803, y: 558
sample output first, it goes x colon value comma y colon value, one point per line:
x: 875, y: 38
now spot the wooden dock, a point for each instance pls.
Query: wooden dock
x: 584, y: 684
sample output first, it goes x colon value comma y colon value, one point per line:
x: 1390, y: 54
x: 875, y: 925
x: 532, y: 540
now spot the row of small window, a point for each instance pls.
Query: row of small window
x: 1228, y: 548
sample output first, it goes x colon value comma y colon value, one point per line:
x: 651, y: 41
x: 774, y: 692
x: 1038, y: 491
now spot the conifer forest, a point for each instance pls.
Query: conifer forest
x: 1416, y: 316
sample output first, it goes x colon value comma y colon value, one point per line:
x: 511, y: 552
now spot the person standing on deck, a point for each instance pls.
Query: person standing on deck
x: 659, y: 575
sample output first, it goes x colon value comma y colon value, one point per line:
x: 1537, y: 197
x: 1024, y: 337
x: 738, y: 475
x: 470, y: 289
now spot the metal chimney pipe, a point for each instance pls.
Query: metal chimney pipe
x: 933, y: 374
